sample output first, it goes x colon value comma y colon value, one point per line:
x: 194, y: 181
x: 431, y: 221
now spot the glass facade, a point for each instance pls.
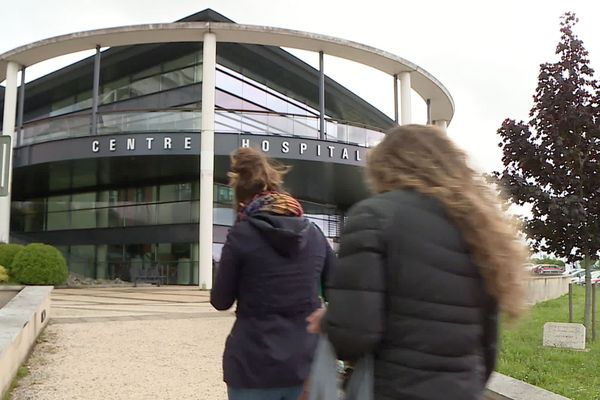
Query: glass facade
x: 169, y: 75
x: 237, y: 92
x: 243, y: 105
x: 145, y: 206
x: 120, y: 208
x: 136, y: 103
x: 177, y: 262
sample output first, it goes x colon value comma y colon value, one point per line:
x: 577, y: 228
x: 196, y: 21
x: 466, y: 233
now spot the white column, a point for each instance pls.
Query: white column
x: 321, y: 97
x: 441, y: 123
x: 207, y: 154
x: 194, y: 261
x: 8, y: 129
x: 405, y: 103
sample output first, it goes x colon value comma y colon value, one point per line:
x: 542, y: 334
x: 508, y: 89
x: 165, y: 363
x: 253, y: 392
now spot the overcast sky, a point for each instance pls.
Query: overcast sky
x: 487, y: 54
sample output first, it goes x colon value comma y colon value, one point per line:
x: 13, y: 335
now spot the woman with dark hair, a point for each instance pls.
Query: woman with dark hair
x: 272, y: 264
x: 424, y: 266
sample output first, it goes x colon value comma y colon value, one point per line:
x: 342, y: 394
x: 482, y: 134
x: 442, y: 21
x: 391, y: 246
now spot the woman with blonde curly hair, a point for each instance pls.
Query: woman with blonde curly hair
x: 424, y: 267
x: 271, y: 265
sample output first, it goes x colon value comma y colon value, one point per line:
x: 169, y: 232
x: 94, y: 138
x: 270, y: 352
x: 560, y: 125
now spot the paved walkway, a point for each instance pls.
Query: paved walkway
x: 129, y: 343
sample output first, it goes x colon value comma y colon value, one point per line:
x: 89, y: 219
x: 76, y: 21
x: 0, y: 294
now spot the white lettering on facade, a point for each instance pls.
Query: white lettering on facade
x: 265, y: 145
x: 345, y: 154
x: 297, y: 147
x: 303, y: 147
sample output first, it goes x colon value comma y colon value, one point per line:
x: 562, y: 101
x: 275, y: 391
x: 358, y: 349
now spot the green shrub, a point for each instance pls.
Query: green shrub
x: 40, y: 264
x: 548, y: 260
x: 8, y: 251
x: 3, y: 274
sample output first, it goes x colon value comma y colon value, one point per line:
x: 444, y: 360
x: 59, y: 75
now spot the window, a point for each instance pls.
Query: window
x: 58, y: 213
x: 182, y: 62
x: 223, y: 194
x: 145, y: 86
x: 83, y: 213
x: 82, y: 259
x: 173, y: 79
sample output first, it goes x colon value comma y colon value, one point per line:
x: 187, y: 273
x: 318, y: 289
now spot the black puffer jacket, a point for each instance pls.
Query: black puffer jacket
x: 405, y: 288
x: 272, y: 266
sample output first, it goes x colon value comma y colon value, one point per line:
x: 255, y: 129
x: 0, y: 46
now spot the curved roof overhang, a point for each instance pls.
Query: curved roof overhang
x: 427, y: 86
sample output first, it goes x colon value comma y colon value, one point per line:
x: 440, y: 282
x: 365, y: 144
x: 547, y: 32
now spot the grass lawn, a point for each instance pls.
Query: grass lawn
x: 573, y: 374
x: 21, y: 373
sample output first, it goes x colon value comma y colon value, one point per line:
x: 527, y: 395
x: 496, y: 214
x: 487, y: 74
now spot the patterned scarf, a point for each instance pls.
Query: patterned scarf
x: 272, y: 203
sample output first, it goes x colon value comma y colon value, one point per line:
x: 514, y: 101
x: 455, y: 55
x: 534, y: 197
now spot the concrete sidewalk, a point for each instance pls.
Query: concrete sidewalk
x: 129, y: 343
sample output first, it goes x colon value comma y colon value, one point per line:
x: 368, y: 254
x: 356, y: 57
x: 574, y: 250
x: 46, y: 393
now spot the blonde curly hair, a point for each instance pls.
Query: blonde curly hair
x: 424, y: 159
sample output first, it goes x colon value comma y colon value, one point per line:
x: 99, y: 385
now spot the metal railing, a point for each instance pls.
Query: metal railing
x: 190, y: 120
x: 181, y: 272
x: 121, y: 216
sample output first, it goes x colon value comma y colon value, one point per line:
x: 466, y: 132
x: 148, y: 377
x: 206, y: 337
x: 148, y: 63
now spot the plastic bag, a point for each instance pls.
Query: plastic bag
x: 360, y: 384
x: 324, y: 382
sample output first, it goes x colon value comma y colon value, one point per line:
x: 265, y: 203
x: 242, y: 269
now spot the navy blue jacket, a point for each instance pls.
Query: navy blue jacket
x: 273, y: 266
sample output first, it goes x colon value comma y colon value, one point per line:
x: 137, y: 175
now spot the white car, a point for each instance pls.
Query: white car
x: 529, y: 266
x: 575, y: 274
x: 581, y: 279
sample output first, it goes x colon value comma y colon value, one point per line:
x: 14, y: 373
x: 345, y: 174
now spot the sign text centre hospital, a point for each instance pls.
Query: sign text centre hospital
x: 274, y: 146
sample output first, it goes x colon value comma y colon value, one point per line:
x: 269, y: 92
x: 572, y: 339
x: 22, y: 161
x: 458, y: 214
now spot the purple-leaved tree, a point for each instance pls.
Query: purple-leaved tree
x: 552, y: 162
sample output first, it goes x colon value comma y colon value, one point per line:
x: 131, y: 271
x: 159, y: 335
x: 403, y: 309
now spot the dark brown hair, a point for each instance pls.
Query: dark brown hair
x: 424, y: 159
x: 252, y: 172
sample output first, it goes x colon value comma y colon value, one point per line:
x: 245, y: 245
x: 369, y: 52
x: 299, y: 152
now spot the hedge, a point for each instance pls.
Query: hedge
x: 3, y: 274
x: 8, y: 251
x: 39, y: 264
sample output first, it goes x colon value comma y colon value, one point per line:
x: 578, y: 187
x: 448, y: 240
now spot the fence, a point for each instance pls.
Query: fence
x: 543, y: 288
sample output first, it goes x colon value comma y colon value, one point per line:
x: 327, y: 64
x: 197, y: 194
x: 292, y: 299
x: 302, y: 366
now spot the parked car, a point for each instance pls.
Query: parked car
x: 575, y: 274
x: 529, y: 266
x: 595, y: 278
x: 547, y: 269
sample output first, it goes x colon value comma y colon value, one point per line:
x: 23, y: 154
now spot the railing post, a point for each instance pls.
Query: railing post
x: 593, y: 312
x: 570, y: 302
